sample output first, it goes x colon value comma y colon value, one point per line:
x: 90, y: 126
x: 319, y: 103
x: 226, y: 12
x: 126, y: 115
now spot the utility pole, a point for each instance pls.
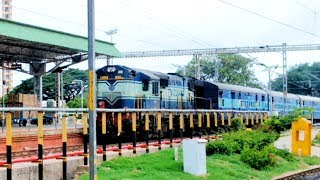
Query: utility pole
x: 110, y: 33
x: 92, y: 95
x: 216, y: 71
x: 285, y: 78
x: 197, y: 66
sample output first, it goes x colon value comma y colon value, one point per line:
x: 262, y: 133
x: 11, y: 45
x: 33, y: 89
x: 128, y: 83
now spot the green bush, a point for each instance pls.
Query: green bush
x: 250, y: 139
x: 236, y: 124
x: 258, y: 159
x: 220, y: 147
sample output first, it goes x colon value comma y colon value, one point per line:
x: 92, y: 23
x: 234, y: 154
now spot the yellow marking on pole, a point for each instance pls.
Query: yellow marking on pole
x: 91, y: 91
x: 200, y: 120
x: 85, y: 123
x: 64, y: 128
x: 170, y: 121
x: 40, y: 127
x: 119, y: 123
x: 247, y: 119
x: 252, y: 118
x: 134, y: 121
x: 159, y: 127
x: 215, y: 119
x: 181, y: 121
x: 9, y: 128
x: 104, y: 123
x: 147, y: 121
x: 229, y: 119
x: 191, y: 120
x: 208, y: 120
x: 222, y: 118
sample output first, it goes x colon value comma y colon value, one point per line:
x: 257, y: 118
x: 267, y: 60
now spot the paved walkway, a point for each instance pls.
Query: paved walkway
x: 284, y: 142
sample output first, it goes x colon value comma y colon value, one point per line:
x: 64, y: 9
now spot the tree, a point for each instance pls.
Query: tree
x: 76, y: 103
x: 303, y: 79
x: 49, y: 84
x: 233, y: 69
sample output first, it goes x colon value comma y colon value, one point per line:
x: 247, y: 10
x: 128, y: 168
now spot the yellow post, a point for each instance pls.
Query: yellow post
x: 229, y: 119
x: 85, y: 123
x: 261, y: 118
x: 134, y: 122
x: 222, y: 118
x: 119, y: 123
x: 208, y: 120
x: 159, y: 127
x: 215, y: 119
x: 247, y: 119
x: 104, y: 123
x: 199, y: 120
x: 9, y: 129
x: 241, y: 117
x: 170, y: 121
x: 40, y: 128
x: 191, y: 121
x: 301, y: 137
x: 146, y: 127
x: 265, y: 116
x: 181, y: 121
x: 64, y: 128
x: 257, y: 118
x: 252, y: 118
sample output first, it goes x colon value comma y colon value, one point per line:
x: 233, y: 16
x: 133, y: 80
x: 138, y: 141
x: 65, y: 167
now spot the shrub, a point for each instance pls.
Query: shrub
x: 258, y: 159
x: 251, y: 139
x: 236, y: 124
x: 220, y: 147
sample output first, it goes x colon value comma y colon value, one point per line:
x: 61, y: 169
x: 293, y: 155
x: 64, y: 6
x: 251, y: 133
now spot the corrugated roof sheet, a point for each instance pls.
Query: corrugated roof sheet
x: 26, y: 32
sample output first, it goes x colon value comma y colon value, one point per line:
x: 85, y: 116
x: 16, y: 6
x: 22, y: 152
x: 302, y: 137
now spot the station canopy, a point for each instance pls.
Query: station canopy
x: 23, y: 43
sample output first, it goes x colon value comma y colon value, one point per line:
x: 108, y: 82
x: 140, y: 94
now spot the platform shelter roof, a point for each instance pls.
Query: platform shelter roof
x: 27, y: 44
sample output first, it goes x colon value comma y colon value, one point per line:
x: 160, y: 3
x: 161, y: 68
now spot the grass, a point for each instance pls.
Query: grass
x: 162, y: 166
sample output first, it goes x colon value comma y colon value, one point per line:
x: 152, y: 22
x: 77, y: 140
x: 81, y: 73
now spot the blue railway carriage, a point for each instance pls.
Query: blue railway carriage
x: 314, y: 102
x: 277, y: 102
x: 234, y: 97
x: 124, y: 87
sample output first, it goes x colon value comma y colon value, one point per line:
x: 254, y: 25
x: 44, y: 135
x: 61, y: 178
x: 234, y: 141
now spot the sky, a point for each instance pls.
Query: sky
x: 145, y: 25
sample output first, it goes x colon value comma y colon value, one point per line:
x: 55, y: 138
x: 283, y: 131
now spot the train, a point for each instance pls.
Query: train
x: 124, y: 87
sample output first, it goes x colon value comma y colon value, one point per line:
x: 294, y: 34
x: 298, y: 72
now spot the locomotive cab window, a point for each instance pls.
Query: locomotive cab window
x: 155, y: 88
x: 220, y: 94
x: 145, y: 85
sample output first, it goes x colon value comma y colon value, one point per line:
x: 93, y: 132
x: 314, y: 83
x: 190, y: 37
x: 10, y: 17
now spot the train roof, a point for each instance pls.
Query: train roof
x: 309, y: 98
x: 280, y: 94
x: 149, y: 73
x: 240, y: 88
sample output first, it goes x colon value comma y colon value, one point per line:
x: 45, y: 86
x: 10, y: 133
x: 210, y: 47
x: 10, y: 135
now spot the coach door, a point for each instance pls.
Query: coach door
x: 233, y: 97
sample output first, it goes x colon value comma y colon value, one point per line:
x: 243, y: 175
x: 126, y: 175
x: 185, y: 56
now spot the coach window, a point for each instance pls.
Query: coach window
x: 262, y: 98
x: 239, y: 96
x: 155, y: 88
x: 220, y: 94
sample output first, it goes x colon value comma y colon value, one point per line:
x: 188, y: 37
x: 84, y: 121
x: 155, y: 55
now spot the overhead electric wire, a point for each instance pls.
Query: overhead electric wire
x: 270, y: 19
x: 83, y: 25
x: 306, y: 7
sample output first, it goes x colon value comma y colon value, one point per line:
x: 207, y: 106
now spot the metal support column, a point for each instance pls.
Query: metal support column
x: 64, y: 147
x: 285, y: 78
x: 92, y: 95
x: 38, y: 89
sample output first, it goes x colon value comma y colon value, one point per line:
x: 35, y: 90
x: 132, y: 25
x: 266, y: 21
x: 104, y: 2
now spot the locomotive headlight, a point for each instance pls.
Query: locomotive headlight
x: 111, y: 69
